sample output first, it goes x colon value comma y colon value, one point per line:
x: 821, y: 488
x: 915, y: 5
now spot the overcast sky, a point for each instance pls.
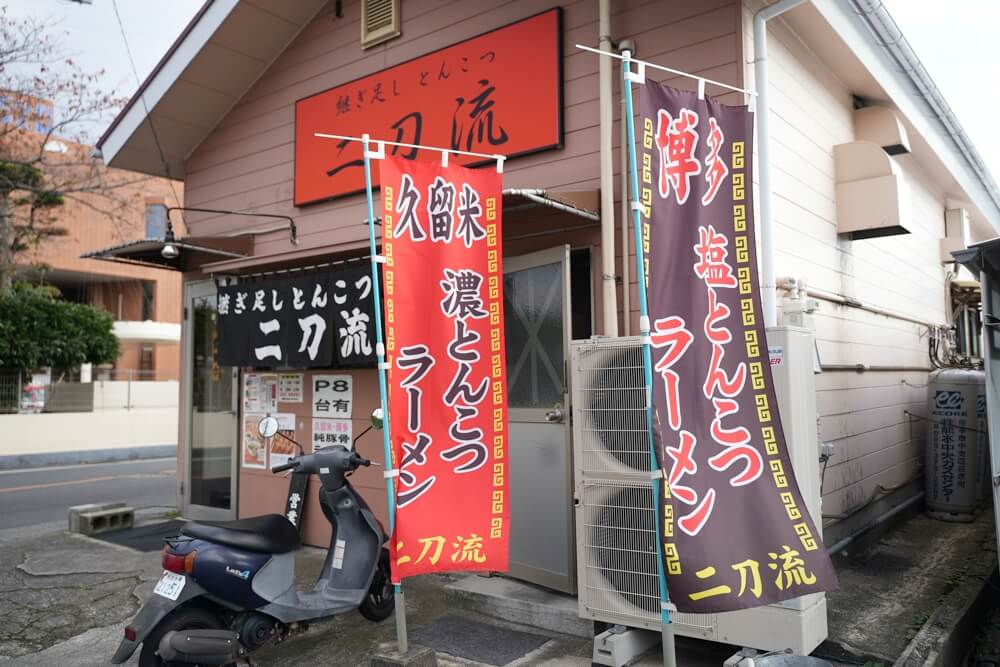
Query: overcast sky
x: 951, y: 44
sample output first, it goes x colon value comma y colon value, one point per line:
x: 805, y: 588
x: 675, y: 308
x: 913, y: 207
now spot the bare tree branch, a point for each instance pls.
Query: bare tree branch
x: 46, y: 102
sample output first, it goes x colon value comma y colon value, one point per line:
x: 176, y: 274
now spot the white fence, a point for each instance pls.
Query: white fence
x: 118, y: 394
x: 127, y: 416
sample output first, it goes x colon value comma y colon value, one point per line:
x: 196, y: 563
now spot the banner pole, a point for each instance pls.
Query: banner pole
x: 400, y: 602
x: 669, y: 651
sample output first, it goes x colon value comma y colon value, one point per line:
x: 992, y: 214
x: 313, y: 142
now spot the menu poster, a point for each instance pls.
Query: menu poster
x: 254, y: 449
x: 290, y: 387
x: 282, y: 446
x: 329, y: 432
x: 260, y: 393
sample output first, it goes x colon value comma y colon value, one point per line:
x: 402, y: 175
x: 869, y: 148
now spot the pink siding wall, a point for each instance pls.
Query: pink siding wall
x: 247, y: 162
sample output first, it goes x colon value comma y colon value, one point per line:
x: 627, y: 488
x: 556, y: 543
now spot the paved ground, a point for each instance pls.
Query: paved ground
x: 64, y: 600
x: 889, y: 591
x: 39, y: 495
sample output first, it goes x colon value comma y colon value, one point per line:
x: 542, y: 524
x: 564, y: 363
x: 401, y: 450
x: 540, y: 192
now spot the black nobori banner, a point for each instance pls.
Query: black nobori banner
x: 315, y: 320
x: 735, y: 531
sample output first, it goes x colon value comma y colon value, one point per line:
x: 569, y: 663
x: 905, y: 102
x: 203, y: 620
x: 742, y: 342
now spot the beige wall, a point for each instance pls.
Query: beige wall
x: 246, y: 163
x: 861, y: 414
x: 90, y: 229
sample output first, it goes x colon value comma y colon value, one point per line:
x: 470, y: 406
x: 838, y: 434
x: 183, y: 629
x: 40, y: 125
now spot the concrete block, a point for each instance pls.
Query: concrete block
x: 387, y: 655
x: 621, y: 646
x: 519, y: 602
x: 106, y: 520
x: 77, y: 510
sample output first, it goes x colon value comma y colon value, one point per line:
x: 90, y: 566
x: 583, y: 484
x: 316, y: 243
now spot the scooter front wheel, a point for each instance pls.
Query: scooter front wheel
x: 192, y: 617
x: 379, y: 603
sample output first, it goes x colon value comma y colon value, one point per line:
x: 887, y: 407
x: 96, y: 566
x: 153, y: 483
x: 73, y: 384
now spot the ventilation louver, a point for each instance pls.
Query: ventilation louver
x: 380, y: 21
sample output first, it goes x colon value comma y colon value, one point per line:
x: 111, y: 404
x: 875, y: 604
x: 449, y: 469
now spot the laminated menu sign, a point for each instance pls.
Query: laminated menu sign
x: 254, y: 448
x: 735, y: 531
x: 290, y: 387
x: 447, y: 382
x: 282, y: 444
x: 329, y: 432
x: 260, y: 393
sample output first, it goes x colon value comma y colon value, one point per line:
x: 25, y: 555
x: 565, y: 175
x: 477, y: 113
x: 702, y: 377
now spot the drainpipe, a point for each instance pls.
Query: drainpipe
x: 608, y: 287
x: 769, y: 295
x: 626, y: 45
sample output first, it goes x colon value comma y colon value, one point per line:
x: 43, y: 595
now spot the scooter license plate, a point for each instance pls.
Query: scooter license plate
x: 170, y: 585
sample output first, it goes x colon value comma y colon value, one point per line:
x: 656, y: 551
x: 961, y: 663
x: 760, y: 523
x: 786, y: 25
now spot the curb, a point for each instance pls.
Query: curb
x: 947, y: 635
x: 44, y: 459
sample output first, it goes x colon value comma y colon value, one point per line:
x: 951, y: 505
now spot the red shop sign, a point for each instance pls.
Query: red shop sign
x: 500, y: 92
x: 447, y: 378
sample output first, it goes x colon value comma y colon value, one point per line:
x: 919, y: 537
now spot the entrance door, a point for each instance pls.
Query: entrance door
x: 537, y: 327
x: 211, y: 421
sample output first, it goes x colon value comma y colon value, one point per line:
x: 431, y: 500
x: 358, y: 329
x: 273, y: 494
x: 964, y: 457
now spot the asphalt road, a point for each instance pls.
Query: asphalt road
x: 38, y: 495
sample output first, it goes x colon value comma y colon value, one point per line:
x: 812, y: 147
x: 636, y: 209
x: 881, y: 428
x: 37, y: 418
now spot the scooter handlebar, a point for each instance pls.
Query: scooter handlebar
x: 287, y: 466
x: 360, y: 460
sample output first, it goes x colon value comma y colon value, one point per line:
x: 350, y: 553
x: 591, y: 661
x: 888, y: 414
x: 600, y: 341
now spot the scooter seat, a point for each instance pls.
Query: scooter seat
x: 271, y: 533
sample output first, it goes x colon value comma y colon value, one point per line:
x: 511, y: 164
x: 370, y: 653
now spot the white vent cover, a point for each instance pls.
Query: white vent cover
x: 956, y: 233
x: 380, y: 21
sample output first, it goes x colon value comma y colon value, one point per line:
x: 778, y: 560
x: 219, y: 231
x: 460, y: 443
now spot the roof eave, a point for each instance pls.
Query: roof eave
x: 851, y: 26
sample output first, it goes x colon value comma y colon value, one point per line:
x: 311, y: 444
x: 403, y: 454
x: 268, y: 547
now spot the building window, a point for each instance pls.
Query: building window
x: 380, y: 21
x: 156, y: 219
x: 145, y: 360
x: 147, y: 300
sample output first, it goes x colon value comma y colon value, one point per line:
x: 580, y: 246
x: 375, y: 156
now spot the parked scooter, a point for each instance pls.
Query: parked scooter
x: 228, y: 587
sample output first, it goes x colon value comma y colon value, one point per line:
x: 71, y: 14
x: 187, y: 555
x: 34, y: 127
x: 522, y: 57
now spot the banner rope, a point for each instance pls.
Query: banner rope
x: 380, y: 145
x: 639, y: 75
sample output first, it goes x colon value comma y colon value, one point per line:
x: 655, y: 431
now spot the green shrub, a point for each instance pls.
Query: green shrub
x: 38, y: 329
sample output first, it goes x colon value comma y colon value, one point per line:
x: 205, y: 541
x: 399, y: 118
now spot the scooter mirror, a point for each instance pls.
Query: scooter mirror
x: 267, y: 427
x: 377, y: 419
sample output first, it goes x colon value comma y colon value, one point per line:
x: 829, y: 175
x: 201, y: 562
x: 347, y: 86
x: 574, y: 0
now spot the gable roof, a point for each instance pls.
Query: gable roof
x: 230, y: 44
x: 224, y: 49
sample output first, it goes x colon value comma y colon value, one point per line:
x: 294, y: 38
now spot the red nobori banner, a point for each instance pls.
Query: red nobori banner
x: 468, y: 96
x: 447, y: 383
x: 735, y: 531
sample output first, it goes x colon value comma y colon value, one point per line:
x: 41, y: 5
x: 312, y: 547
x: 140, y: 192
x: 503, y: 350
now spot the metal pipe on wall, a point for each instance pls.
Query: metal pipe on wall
x: 877, y: 521
x: 769, y: 299
x: 625, y: 45
x: 833, y: 297
x: 608, y: 284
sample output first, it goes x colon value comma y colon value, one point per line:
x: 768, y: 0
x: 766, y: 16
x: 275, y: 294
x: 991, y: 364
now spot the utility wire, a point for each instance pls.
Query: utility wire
x: 149, y: 117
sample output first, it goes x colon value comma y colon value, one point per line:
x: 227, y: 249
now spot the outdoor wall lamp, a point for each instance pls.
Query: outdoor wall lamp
x: 169, y: 251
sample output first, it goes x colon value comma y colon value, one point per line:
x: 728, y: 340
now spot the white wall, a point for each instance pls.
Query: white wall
x: 861, y: 414
x: 151, y: 421
x: 86, y: 431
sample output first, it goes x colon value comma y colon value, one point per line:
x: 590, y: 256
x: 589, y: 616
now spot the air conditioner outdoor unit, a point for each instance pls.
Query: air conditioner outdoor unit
x: 615, y: 528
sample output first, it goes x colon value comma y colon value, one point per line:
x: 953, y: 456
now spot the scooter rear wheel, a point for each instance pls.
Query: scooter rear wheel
x: 186, y: 618
x: 379, y: 603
